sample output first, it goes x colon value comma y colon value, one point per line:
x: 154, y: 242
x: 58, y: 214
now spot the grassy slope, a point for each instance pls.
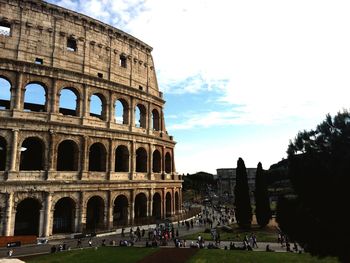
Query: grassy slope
x: 222, y: 256
x: 102, y: 254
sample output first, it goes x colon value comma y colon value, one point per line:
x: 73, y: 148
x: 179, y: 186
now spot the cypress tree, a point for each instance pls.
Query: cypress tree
x: 262, y: 202
x: 243, y: 209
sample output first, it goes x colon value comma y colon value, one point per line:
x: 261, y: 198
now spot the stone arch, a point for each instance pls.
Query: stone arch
x: 3, y: 153
x: 120, y: 211
x: 157, y: 206
x: 168, y: 205
x: 27, y: 217
x: 121, y: 113
x: 69, y: 101
x: 157, y: 162
x: 32, y: 154
x: 35, y: 95
x: 168, y: 163
x: 140, y: 207
x: 98, y: 106
x: 155, y: 120
x: 5, y: 93
x: 122, y: 159
x: 177, y: 203
x: 64, y: 215
x: 97, y: 157
x: 95, y: 213
x: 67, y: 156
x: 140, y: 116
x: 141, y: 160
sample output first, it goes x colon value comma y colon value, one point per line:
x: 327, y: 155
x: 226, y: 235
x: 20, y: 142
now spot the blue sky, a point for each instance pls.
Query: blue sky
x: 240, y: 78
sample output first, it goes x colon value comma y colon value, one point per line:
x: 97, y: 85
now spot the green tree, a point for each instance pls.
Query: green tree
x: 319, y: 168
x: 243, y: 208
x: 262, y: 201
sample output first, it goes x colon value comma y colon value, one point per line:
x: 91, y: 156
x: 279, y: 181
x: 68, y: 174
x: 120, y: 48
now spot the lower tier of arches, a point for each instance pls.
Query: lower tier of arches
x: 48, y: 213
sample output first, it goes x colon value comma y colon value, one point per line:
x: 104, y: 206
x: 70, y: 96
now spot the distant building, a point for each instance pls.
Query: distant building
x: 227, y: 182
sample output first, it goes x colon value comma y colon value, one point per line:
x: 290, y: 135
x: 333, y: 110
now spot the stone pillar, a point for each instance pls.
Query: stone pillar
x: 19, y: 89
x: 132, y: 160
x: 111, y: 116
x: 173, y: 207
x: 41, y: 222
x: 52, y: 156
x: 110, y: 211
x: 86, y: 105
x: 150, y: 202
x: 54, y: 97
x: 9, y: 215
x: 149, y: 118
x: 132, y: 114
x: 84, y: 157
x: 14, y: 150
x: 150, y: 161
x: 48, y: 214
x: 111, y: 163
x: 163, y: 203
x: 131, y: 210
x: 163, y: 162
x: 82, y: 214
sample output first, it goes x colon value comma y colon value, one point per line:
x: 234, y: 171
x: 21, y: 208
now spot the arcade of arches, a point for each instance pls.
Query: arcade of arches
x: 49, y: 213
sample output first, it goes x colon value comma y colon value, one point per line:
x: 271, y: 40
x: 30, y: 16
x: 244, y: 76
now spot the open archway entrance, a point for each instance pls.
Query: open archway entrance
x: 27, y: 217
x: 157, y: 206
x: 67, y: 156
x: 63, y: 217
x: 3, y: 153
x: 140, y: 212
x: 120, y: 211
x: 168, y: 205
x: 32, y: 155
x: 95, y: 213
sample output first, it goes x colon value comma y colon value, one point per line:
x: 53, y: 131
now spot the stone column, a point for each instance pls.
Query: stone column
x: 18, y: 92
x: 173, y: 207
x: 111, y: 116
x: 131, y: 211
x: 86, y: 106
x: 48, y: 214
x: 9, y: 215
x: 163, y: 203
x: 54, y: 98
x: 150, y: 161
x: 163, y: 162
x: 52, y: 156
x: 132, y: 160
x: 84, y: 156
x: 41, y: 222
x: 14, y: 150
x: 111, y: 163
x: 132, y: 114
x: 149, y: 118
x: 82, y: 214
x: 150, y: 202
x: 110, y: 211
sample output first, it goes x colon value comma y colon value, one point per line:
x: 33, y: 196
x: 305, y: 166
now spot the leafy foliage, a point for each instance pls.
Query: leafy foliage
x: 319, y: 170
x: 243, y: 207
x: 262, y: 202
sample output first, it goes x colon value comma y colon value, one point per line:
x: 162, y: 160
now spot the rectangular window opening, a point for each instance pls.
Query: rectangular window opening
x: 71, y: 44
x: 5, y: 29
x: 140, y: 88
x: 100, y: 75
x: 122, y: 61
x: 39, y: 61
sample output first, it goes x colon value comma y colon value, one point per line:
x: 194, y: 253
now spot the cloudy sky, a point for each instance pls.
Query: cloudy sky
x: 240, y: 78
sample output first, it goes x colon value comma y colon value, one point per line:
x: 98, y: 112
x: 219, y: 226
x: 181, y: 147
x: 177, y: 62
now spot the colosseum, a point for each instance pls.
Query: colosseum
x: 83, y: 144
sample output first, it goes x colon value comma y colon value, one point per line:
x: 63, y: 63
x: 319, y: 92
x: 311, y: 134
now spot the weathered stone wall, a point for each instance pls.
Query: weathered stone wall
x: 35, y: 51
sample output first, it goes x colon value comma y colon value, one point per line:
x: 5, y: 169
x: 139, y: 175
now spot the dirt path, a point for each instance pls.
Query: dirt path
x: 170, y: 255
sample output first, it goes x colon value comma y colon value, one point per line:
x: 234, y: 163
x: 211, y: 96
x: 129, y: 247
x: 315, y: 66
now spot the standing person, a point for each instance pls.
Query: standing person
x: 90, y: 242
x: 10, y: 253
x: 123, y: 234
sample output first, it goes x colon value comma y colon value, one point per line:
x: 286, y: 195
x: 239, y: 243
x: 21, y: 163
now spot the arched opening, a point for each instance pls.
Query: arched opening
x: 157, y: 206
x: 122, y: 159
x: 121, y: 112
x: 97, y: 106
x: 141, y: 160
x: 67, y: 156
x: 63, y: 217
x: 5, y: 94
x: 68, y: 102
x: 120, y: 211
x: 3, y: 154
x: 155, y: 120
x: 32, y: 155
x: 35, y: 98
x: 140, y: 210
x: 167, y: 163
x: 95, y: 213
x: 140, y: 116
x: 168, y: 205
x: 27, y: 217
x: 157, y: 162
x: 177, y: 208
x: 97, y: 158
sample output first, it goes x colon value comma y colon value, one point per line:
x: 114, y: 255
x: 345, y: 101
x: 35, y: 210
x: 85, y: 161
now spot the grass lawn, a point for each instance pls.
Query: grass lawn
x: 102, y: 254
x: 219, y: 255
x: 268, y: 234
